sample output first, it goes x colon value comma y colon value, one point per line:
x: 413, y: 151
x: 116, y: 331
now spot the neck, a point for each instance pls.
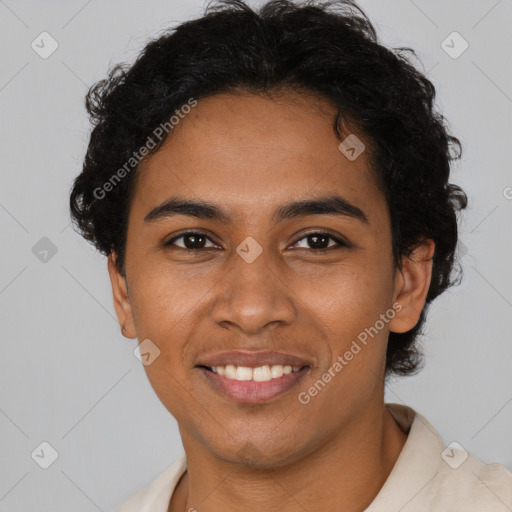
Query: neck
x: 346, y: 473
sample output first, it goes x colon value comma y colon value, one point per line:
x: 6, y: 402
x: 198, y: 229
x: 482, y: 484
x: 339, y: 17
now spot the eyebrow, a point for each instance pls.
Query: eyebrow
x: 329, y: 205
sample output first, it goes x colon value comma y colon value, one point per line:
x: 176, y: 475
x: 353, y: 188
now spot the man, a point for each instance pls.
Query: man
x: 271, y: 189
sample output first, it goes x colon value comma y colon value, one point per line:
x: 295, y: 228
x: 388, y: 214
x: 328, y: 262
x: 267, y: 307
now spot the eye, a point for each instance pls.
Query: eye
x: 192, y: 240
x: 320, y: 241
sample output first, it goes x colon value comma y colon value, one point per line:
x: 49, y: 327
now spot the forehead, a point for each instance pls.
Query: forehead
x: 250, y: 152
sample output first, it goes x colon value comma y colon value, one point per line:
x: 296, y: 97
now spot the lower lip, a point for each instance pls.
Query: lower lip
x: 252, y: 392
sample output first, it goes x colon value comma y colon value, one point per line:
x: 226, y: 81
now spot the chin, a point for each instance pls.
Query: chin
x: 261, y: 454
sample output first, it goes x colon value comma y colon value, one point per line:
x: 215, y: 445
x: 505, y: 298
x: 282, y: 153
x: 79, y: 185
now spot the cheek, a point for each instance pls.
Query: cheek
x: 161, y: 314
x: 350, y: 297
x: 350, y: 307
x: 163, y: 299
x: 165, y: 312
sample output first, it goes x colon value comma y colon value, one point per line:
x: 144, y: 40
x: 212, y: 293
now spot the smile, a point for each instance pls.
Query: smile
x: 259, y: 374
x: 249, y: 385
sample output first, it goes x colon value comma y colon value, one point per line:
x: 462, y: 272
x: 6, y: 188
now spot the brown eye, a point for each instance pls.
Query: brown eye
x: 320, y: 241
x: 191, y: 240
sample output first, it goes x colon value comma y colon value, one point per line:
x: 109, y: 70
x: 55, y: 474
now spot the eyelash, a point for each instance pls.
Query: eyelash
x: 340, y: 242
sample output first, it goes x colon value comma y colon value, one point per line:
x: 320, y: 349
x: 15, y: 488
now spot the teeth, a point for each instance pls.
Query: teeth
x: 230, y: 371
x: 259, y: 374
x: 277, y: 371
x: 243, y: 373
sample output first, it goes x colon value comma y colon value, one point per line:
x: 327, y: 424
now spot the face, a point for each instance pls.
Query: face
x: 243, y: 277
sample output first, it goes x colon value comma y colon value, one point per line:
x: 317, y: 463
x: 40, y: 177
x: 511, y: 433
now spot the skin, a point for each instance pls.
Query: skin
x: 249, y: 155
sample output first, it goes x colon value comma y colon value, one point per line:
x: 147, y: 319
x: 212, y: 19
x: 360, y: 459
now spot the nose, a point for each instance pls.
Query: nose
x: 253, y: 296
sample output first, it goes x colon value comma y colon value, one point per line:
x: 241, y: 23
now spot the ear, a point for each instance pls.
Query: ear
x: 121, y: 299
x: 412, y: 282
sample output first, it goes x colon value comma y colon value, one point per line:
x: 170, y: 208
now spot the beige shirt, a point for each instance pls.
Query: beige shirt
x: 427, y: 477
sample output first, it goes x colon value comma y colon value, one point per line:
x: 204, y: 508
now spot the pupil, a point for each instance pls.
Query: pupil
x: 318, y: 241
x: 194, y: 244
x: 315, y: 241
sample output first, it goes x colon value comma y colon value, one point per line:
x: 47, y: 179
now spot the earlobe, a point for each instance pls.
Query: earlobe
x: 412, y: 283
x: 121, y: 298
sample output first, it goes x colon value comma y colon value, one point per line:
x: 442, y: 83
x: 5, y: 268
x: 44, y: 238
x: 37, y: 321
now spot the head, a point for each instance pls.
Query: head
x: 271, y: 180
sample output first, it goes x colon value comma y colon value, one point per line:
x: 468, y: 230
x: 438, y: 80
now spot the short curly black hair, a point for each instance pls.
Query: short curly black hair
x: 326, y: 48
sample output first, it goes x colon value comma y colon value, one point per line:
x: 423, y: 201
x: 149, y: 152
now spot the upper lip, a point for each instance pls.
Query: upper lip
x: 252, y: 359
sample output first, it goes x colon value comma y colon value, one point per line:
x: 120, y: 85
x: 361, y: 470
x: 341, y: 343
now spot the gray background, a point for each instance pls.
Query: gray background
x: 69, y: 378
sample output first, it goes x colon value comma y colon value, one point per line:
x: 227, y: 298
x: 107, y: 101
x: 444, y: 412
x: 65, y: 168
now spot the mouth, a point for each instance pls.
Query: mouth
x: 253, y: 384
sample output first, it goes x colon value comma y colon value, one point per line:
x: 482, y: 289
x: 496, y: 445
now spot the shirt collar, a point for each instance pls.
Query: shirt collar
x: 416, y: 466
